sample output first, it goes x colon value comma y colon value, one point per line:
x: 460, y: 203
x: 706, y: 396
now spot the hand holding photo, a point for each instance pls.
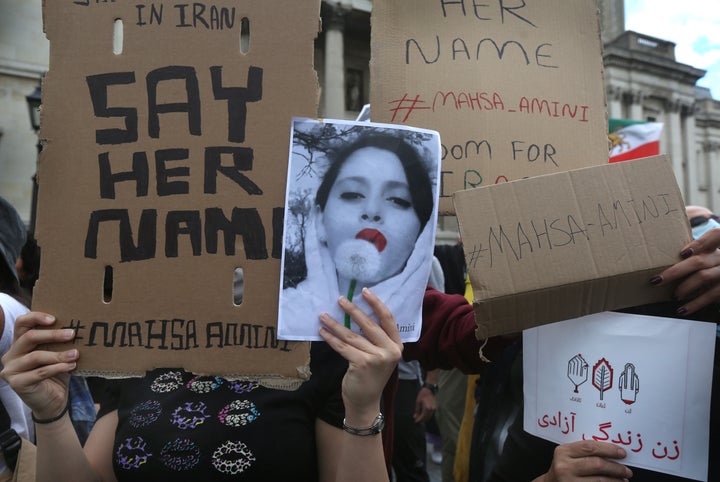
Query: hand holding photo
x: 361, y: 212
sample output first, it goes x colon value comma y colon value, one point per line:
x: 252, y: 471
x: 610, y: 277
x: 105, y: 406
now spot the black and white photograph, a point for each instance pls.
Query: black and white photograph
x: 361, y: 211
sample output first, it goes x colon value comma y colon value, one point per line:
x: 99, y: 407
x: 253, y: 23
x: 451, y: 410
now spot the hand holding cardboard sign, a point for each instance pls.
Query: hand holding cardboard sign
x: 699, y: 272
x: 40, y: 377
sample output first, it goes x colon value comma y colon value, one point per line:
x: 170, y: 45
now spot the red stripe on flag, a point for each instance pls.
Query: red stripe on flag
x: 644, y: 150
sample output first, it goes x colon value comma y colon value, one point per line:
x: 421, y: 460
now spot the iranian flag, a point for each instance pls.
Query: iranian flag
x: 633, y: 139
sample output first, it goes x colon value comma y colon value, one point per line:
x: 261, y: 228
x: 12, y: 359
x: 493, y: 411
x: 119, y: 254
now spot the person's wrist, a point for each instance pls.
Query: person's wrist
x: 361, y: 416
x: 432, y: 387
x: 364, y: 419
x: 42, y: 419
x: 373, y: 429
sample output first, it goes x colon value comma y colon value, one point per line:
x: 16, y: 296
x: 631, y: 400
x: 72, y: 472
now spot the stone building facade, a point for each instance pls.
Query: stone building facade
x: 24, y: 52
x: 643, y: 82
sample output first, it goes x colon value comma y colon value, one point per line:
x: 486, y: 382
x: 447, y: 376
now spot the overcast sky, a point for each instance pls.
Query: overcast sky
x: 694, y: 26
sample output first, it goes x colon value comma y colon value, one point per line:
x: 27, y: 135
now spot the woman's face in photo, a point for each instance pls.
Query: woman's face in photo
x: 370, y: 203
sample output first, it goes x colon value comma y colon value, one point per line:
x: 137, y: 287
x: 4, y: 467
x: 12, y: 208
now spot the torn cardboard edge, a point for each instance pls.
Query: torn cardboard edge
x: 274, y: 381
x: 535, y: 308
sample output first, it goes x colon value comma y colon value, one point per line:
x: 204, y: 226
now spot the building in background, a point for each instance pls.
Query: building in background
x: 643, y: 82
x: 24, y: 53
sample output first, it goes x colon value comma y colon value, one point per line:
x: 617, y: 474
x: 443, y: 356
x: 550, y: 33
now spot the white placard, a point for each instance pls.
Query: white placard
x: 641, y: 382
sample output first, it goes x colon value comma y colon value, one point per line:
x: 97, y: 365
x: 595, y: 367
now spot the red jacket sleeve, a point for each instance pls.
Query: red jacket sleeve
x: 447, y: 339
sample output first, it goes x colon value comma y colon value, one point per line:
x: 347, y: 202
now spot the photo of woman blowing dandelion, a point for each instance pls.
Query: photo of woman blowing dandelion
x: 361, y: 212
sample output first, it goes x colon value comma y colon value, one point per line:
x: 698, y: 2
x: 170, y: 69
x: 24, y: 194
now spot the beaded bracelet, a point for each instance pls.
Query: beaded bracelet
x: 45, y: 421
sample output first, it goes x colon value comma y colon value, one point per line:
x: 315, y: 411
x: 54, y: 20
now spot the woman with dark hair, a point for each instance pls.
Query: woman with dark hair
x: 414, y: 167
x: 369, y: 227
x: 12, y: 305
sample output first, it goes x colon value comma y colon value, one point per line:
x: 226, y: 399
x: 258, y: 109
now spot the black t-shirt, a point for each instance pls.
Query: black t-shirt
x: 177, y: 426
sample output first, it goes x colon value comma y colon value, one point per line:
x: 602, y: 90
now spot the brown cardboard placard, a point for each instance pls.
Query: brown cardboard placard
x: 164, y: 166
x: 515, y: 89
x: 564, y: 245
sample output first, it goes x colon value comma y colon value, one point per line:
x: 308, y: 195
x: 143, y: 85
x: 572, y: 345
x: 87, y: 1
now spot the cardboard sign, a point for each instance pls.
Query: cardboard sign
x: 361, y: 212
x: 163, y: 178
x: 515, y: 89
x: 565, y: 245
x: 640, y: 382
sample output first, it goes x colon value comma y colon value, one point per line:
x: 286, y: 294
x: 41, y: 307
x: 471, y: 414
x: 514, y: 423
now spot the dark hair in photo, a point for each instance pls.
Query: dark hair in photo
x: 415, y: 170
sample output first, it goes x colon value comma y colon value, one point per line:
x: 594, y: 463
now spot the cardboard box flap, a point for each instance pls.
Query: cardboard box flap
x: 554, y: 231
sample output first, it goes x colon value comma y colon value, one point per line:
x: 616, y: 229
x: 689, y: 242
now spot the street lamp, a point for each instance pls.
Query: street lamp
x: 34, y: 101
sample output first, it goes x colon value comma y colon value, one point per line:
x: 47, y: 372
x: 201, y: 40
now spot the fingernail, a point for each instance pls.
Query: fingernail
x: 686, y: 253
x: 68, y: 333
x: 324, y: 317
x: 341, y: 299
x: 71, y: 354
x: 656, y: 280
x: 50, y: 318
x: 682, y: 311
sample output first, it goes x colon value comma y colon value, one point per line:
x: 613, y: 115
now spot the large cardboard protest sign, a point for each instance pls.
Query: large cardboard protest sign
x: 564, y: 245
x: 514, y: 88
x: 163, y: 176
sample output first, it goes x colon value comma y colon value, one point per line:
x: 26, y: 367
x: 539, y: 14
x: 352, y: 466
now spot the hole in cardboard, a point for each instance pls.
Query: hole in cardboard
x: 244, y: 35
x: 238, y: 286
x: 118, y: 37
x: 108, y: 284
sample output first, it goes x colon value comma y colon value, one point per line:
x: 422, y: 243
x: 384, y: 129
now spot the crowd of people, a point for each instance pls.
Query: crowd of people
x: 342, y: 424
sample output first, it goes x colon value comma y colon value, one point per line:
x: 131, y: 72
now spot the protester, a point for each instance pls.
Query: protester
x: 82, y: 406
x: 28, y: 266
x: 697, y: 273
x: 452, y: 384
x: 414, y: 405
x: 701, y: 220
x: 517, y: 455
x: 171, y: 425
x: 12, y: 306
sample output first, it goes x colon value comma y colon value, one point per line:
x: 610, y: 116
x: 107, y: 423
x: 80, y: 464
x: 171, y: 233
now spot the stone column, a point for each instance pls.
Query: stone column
x: 614, y: 100
x: 712, y: 156
x: 692, y: 194
x: 673, y: 128
x: 636, y: 107
x: 334, y: 69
